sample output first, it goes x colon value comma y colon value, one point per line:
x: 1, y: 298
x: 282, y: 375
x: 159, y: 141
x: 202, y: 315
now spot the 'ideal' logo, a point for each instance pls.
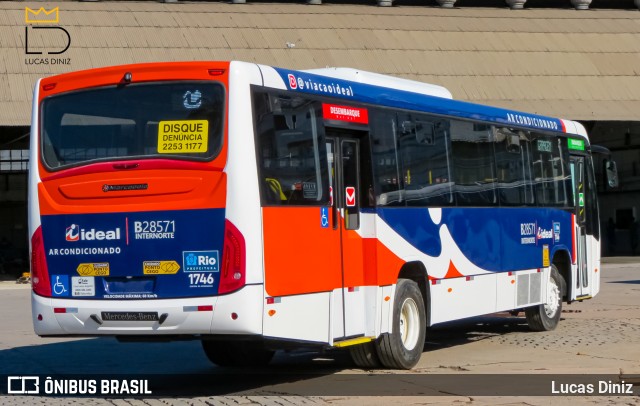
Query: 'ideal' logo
x: 75, y: 233
x: 544, y: 234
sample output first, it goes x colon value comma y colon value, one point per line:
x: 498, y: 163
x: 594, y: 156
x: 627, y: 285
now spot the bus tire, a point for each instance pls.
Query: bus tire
x: 365, y: 356
x: 545, y: 317
x: 402, y: 348
x: 237, y: 353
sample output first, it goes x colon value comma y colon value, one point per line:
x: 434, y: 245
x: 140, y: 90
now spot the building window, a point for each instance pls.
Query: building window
x: 14, y: 160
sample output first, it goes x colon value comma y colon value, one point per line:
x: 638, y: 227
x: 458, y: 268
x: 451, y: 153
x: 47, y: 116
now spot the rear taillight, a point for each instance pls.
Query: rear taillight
x: 232, y: 274
x: 40, y: 282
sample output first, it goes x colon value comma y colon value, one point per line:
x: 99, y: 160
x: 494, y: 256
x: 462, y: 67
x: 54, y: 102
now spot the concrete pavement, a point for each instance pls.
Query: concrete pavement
x: 598, y: 336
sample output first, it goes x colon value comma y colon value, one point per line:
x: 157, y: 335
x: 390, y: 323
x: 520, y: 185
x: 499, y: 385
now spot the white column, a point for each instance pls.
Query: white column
x: 581, y: 4
x: 446, y: 3
x: 516, y: 4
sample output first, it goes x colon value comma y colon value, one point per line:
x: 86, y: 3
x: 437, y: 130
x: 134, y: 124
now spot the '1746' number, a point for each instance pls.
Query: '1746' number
x: 201, y: 279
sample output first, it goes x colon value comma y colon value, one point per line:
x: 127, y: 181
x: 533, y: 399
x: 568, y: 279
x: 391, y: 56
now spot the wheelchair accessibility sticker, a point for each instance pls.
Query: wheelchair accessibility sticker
x: 324, y: 217
x: 60, y: 285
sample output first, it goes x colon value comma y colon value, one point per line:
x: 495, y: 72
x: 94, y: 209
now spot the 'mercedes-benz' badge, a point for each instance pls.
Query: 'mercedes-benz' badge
x: 122, y: 188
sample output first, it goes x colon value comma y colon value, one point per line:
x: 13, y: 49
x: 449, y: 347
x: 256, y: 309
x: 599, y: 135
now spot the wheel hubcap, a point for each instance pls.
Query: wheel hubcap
x: 409, y: 324
x: 553, y: 299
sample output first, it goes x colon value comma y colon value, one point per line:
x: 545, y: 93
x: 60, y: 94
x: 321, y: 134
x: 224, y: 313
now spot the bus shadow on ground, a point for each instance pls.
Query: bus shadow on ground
x: 465, y: 331
x: 108, y: 356
x: 636, y: 282
x: 180, y: 368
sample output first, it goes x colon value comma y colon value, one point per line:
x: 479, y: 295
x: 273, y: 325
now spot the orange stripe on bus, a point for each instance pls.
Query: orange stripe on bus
x: 299, y: 255
x: 167, y: 190
x: 302, y: 257
x: 389, y: 265
x: 452, y: 272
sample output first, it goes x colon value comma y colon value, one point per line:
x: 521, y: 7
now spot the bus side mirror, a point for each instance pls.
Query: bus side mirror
x: 612, y: 173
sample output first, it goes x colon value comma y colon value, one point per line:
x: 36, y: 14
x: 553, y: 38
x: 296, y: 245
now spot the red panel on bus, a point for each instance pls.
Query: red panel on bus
x: 345, y: 113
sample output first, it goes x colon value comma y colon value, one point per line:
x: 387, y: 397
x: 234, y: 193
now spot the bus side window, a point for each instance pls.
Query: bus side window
x: 550, y: 161
x: 292, y: 154
x: 514, y: 184
x: 386, y: 169
x: 593, y: 226
x: 473, y: 164
x: 425, y: 157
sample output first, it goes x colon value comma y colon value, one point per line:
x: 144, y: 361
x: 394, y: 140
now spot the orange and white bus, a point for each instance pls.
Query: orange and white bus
x: 257, y: 208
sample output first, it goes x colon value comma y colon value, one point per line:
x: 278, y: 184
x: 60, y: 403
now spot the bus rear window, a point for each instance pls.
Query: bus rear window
x: 163, y: 120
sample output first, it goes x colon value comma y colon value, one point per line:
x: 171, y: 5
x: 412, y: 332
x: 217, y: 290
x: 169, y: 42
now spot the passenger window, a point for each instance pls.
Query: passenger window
x: 291, y: 150
x: 473, y: 164
x: 424, y: 156
x: 386, y: 169
x: 514, y: 184
x: 550, y: 163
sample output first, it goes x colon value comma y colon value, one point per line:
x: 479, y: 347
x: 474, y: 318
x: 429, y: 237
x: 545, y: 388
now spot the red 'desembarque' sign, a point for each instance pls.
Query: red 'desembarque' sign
x: 345, y: 113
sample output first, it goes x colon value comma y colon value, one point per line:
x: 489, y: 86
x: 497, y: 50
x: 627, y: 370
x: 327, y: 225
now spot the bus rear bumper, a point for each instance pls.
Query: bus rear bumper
x: 236, y: 313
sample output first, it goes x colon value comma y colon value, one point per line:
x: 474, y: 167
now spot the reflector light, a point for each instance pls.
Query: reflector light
x: 71, y: 310
x: 234, y: 316
x: 216, y: 72
x: 39, y: 317
x: 271, y: 312
x: 201, y: 308
x: 49, y: 86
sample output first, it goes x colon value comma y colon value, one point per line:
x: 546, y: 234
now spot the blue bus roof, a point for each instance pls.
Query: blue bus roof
x: 385, y: 96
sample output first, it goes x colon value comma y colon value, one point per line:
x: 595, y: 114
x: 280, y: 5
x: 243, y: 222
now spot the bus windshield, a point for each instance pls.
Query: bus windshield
x: 157, y: 119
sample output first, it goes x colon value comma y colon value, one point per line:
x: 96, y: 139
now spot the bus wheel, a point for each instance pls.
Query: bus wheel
x: 365, y: 356
x: 237, y: 353
x: 402, y: 348
x: 545, y: 317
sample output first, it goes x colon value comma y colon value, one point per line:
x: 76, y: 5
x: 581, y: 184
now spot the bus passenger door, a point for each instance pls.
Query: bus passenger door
x: 582, y: 284
x: 348, y: 307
